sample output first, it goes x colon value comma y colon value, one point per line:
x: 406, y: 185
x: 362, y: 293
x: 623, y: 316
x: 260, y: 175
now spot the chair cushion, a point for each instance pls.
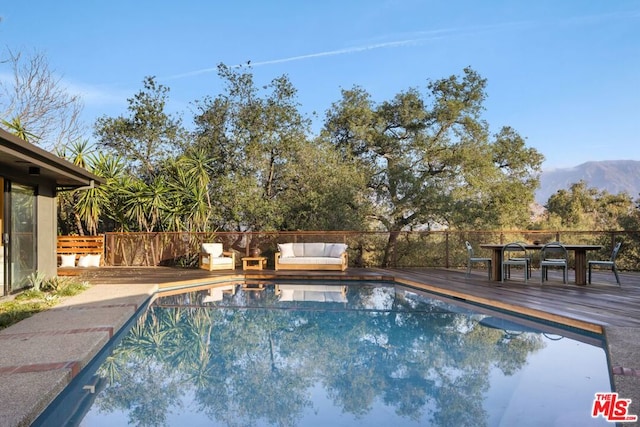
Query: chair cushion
x: 221, y: 260
x: 213, y: 249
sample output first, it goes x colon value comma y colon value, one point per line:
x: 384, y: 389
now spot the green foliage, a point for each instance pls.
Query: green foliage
x: 583, y: 208
x: 148, y: 136
x: 430, y: 161
x: 70, y: 288
x: 36, y: 279
x: 16, y: 127
x: 416, y: 161
x: 12, y: 312
x: 267, y: 174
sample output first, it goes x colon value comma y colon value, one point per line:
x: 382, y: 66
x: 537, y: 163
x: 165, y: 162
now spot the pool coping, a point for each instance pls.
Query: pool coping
x: 44, y: 353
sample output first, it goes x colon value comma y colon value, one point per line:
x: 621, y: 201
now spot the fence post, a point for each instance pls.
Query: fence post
x: 446, y: 249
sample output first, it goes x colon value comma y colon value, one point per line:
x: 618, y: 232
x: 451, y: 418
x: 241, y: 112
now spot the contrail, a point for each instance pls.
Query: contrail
x: 345, y: 51
x: 423, y: 37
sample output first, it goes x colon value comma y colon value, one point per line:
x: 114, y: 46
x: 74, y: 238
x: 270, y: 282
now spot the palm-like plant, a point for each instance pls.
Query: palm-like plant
x: 145, y: 203
x: 16, y: 127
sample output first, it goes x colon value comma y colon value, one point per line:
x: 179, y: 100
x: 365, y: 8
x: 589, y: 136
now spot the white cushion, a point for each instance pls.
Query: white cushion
x: 298, y: 249
x: 286, y: 250
x: 213, y: 249
x: 337, y: 250
x: 221, y: 260
x: 312, y: 293
x: 313, y: 249
x: 83, y: 261
x: 94, y: 260
x: 286, y: 295
x: 311, y: 260
x: 68, y: 260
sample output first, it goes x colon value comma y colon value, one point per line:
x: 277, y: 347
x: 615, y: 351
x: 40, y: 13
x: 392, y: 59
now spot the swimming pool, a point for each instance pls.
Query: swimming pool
x: 307, y: 354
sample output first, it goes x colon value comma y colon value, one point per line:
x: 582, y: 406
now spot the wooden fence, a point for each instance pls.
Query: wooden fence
x: 366, y: 249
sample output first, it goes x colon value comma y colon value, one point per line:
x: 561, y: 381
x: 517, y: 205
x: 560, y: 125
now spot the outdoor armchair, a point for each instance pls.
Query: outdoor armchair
x: 213, y: 257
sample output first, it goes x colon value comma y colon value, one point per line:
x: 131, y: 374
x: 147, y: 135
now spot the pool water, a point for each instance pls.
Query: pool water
x: 333, y: 355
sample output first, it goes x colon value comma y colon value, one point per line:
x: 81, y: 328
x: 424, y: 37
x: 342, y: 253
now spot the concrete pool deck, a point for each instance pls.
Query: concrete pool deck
x: 39, y: 356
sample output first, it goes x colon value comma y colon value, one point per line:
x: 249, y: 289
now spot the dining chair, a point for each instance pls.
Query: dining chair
x: 474, y: 259
x: 610, y: 263
x: 515, y: 254
x: 553, y: 255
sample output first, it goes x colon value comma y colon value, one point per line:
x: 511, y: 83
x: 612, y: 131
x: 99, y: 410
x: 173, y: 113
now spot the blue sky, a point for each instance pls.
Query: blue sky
x: 564, y: 74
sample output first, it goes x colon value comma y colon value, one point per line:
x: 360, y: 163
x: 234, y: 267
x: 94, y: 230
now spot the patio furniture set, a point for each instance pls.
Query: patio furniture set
x: 551, y: 255
x: 290, y: 256
x: 76, y: 252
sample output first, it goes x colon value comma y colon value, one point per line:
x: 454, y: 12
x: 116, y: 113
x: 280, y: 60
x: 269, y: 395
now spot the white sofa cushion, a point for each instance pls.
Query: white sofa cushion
x: 213, y: 249
x: 335, y: 250
x: 286, y: 250
x: 318, y: 293
x: 311, y: 260
x: 314, y: 249
x: 298, y: 249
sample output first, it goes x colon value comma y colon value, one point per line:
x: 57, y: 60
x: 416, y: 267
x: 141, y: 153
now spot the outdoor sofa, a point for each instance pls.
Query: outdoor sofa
x: 311, y: 256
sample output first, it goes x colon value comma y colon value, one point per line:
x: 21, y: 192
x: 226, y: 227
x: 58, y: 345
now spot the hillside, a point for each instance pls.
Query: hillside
x: 614, y: 176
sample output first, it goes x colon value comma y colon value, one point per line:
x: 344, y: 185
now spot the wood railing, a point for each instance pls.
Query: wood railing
x: 366, y: 249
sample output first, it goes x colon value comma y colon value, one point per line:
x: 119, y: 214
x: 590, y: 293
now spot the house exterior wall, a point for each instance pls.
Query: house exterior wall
x: 46, y: 212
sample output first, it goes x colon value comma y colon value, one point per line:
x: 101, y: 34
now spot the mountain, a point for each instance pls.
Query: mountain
x: 614, y: 176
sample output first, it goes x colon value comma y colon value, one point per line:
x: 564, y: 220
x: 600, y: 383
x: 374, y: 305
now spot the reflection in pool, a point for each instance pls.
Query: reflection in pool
x: 369, y: 355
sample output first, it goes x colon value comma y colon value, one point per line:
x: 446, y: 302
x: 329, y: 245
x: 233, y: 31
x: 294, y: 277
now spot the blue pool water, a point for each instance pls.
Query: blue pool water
x: 331, y: 355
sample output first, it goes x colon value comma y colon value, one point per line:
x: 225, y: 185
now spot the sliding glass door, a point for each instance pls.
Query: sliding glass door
x: 22, y: 251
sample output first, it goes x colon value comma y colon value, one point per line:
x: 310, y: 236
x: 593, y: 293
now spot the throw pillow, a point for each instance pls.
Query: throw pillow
x: 83, y: 261
x: 286, y: 250
x: 68, y: 260
x: 337, y: 250
x: 94, y: 260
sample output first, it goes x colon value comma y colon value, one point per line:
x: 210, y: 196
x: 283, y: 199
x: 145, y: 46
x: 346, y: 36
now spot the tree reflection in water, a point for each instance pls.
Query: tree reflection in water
x: 422, y: 359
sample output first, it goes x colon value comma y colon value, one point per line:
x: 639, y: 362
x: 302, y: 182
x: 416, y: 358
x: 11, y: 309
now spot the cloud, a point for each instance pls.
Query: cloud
x: 97, y: 95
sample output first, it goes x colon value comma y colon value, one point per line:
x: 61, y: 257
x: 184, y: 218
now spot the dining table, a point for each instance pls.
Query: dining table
x: 580, y: 258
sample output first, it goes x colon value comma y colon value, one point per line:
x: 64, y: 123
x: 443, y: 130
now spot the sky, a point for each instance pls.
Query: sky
x: 564, y: 74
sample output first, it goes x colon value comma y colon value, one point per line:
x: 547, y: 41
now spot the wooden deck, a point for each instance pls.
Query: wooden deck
x: 587, y: 307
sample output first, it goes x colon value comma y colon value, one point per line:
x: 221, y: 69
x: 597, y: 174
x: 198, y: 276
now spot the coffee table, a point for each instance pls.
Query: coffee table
x: 254, y: 262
